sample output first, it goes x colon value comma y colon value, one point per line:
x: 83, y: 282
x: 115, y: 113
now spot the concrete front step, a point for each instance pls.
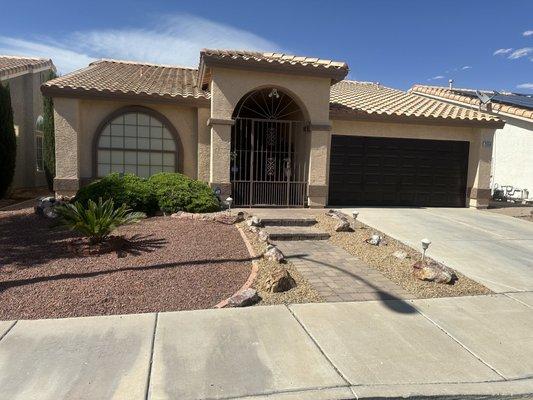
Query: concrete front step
x: 288, y: 221
x: 295, y: 233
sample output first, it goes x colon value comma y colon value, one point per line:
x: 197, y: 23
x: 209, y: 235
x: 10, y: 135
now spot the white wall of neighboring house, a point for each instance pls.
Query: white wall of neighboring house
x: 512, y: 156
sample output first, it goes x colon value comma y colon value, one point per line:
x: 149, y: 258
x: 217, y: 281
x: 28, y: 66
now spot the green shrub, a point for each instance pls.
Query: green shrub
x: 8, y: 141
x: 136, y: 193
x: 97, y: 220
x: 176, y: 192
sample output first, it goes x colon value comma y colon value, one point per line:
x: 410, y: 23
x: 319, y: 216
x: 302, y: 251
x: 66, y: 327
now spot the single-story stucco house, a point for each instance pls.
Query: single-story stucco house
x: 270, y: 129
x: 512, y: 151
x: 24, y: 76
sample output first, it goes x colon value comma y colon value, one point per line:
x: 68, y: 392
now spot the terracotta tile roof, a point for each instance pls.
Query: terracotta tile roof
x: 455, y: 95
x: 374, y: 100
x: 337, y: 69
x: 125, y: 78
x: 11, y: 65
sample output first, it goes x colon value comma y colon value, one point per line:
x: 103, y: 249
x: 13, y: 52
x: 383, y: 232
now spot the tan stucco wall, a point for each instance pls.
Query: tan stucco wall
x: 77, y: 122
x: 204, y: 144
x: 27, y: 104
x: 479, y: 156
x: 229, y: 86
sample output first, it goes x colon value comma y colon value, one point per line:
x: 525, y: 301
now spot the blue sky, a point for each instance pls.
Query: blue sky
x: 483, y: 44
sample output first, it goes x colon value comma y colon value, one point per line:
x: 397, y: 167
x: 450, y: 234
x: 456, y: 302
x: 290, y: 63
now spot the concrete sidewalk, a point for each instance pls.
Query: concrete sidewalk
x: 457, y: 346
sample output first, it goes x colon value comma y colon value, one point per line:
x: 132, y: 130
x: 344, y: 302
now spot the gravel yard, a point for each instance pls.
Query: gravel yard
x: 397, y: 270
x: 302, y: 293
x: 170, y: 264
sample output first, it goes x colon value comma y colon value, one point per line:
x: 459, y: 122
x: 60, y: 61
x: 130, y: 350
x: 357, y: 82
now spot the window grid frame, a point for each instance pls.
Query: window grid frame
x: 149, y: 151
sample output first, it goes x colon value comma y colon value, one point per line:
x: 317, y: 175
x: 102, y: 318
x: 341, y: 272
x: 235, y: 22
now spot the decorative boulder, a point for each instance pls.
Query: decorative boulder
x: 375, y: 240
x: 227, y: 218
x: 433, y: 272
x: 272, y: 253
x: 343, y: 226
x: 253, y: 221
x: 45, y: 206
x: 254, y: 229
x: 263, y: 236
x: 245, y: 298
x: 280, y: 281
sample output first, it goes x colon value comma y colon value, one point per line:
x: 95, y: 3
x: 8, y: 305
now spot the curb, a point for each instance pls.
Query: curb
x: 253, y: 272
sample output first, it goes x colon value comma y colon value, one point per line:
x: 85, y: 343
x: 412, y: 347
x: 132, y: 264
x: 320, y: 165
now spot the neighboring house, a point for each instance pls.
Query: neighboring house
x: 512, y: 154
x: 24, y: 77
x: 270, y: 129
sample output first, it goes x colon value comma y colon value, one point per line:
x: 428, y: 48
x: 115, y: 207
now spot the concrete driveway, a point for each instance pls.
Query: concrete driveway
x: 496, y: 250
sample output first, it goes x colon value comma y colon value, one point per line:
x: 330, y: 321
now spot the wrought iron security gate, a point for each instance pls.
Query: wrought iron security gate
x: 266, y: 168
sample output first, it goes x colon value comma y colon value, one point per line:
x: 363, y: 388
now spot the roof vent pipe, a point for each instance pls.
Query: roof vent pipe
x: 450, y: 84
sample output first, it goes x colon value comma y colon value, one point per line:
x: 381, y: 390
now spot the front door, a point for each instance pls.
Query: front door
x: 266, y: 169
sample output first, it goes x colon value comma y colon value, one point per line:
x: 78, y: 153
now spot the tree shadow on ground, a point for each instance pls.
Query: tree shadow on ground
x: 91, y: 274
x: 28, y: 240
x: 390, y: 300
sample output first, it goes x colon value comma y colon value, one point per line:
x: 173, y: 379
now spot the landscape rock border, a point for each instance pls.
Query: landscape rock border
x: 253, y: 273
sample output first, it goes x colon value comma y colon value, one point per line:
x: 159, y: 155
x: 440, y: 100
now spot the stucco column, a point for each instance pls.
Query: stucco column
x: 67, y: 131
x: 204, y: 145
x: 318, y: 165
x: 220, y: 157
x: 479, y: 194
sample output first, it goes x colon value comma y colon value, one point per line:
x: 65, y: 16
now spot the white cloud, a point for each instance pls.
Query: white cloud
x: 466, y: 67
x: 170, y: 40
x: 525, y: 86
x: 65, y: 59
x: 527, y: 33
x: 435, y: 78
x: 502, y: 51
x: 519, y: 53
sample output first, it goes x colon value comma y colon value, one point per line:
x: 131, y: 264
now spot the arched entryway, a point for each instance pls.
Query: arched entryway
x: 269, y: 150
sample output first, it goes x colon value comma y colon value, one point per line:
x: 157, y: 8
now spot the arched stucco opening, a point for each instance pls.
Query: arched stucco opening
x: 269, y: 150
x: 136, y: 140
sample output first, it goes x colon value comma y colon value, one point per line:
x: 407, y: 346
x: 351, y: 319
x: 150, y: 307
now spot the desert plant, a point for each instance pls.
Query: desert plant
x: 135, y: 192
x: 8, y: 141
x: 177, y: 192
x: 97, y: 220
x: 49, y: 146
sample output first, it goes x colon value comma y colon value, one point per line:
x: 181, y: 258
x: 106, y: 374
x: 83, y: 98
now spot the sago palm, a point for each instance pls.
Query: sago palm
x: 98, y: 220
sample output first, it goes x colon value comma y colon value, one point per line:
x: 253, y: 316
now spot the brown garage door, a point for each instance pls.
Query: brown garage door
x: 397, y: 172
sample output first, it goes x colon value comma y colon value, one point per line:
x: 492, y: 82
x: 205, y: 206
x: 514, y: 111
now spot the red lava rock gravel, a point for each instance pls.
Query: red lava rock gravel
x: 171, y: 264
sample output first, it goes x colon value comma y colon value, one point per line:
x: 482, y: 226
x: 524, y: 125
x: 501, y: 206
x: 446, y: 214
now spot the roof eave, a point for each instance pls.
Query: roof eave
x: 208, y: 61
x: 355, y: 115
x: 67, y: 92
x: 453, y: 99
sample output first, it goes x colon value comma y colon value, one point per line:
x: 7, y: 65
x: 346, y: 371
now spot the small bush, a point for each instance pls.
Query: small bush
x: 97, y: 220
x: 136, y: 193
x: 176, y: 192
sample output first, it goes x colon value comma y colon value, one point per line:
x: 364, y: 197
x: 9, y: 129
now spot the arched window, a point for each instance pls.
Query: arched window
x: 39, y: 144
x: 136, y: 142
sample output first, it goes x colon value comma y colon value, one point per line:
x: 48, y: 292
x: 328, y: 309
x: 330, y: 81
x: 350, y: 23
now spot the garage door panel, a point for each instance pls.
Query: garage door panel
x: 385, y: 171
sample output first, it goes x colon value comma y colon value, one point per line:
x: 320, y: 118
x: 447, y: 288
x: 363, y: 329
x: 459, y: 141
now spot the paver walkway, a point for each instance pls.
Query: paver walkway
x: 338, y: 275
x: 333, y: 272
x: 479, y: 345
